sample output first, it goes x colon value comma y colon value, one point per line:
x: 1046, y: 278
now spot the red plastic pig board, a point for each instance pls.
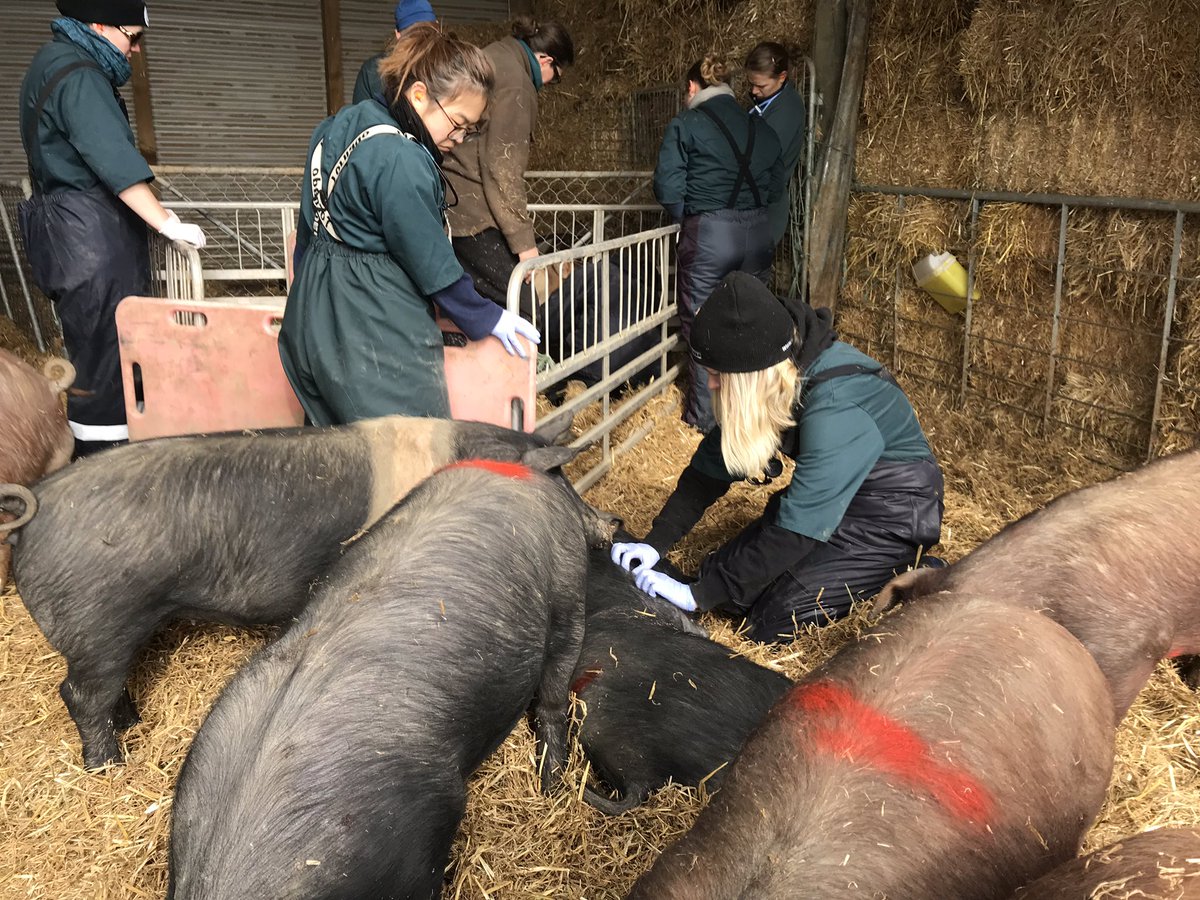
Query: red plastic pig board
x: 207, y: 367
x: 204, y: 367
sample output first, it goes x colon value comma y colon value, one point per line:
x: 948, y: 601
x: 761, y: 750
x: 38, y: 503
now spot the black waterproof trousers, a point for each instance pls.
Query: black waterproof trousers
x: 896, y: 512
x: 87, y: 250
x: 711, y: 245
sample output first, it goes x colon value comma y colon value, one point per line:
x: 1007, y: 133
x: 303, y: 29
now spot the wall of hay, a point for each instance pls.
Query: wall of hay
x: 1077, y: 97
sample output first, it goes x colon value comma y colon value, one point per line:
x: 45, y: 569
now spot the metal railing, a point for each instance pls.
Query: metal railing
x: 605, y: 315
x: 1089, y: 344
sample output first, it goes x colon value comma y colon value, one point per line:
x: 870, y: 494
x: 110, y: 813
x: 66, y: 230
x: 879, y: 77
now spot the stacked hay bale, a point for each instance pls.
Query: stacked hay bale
x: 1077, y: 97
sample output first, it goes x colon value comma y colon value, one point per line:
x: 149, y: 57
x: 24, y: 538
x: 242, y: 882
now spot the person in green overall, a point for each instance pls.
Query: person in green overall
x: 408, y: 12
x: 865, y: 497
x: 718, y: 169
x: 783, y: 109
x: 85, y: 225
x: 359, y: 337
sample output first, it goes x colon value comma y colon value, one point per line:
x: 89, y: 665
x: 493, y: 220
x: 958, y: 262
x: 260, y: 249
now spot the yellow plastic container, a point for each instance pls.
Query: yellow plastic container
x: 943, y: 276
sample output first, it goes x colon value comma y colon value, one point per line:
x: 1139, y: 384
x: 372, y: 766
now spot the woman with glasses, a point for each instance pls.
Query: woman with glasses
x: 85, y: 225
x: 359, y: 337
x: 491, y: 226
x: 718, y: 169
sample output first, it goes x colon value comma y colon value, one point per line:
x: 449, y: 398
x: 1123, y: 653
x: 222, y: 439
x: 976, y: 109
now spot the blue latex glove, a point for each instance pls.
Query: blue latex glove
x: 657, y: 584
x: 509, y: 326
x: 624, y: 555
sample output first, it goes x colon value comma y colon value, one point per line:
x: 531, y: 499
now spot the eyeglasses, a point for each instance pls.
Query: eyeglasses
x: 553, y: 65
x: 464, y: 131
x: 135, y: 37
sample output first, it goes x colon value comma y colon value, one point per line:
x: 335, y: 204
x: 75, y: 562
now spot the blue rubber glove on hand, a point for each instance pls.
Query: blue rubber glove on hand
x: 511, y: 325
x: 657, y: 584
x: 624, y: 555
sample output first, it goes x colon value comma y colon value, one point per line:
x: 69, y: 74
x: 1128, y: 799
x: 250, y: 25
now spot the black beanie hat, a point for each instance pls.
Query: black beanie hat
x: 106, y: 12
x: 742, y: 327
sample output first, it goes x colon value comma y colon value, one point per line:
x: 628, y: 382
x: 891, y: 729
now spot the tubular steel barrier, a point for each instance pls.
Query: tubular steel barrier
x: 1082, y: 313
x: 603, y: 311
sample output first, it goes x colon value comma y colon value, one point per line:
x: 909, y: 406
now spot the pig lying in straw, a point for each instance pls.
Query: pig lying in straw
x: 659, y: 702
x: 334, y: 764
x: 1111, y: 562
x: 231, y: 528
x: 958, y: 750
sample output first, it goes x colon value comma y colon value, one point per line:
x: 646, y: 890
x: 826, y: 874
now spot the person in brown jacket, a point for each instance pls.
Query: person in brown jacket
x: 490, y: 225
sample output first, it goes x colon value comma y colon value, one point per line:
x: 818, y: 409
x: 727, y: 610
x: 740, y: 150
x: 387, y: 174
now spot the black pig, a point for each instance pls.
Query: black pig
x: 334, y: 764
x: 661, y: 701
x: 959, y: 750
x: 1112, y: 563
x: 230, y: 528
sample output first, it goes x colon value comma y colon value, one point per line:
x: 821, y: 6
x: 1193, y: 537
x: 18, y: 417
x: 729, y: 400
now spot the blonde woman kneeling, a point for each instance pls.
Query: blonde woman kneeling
x: 866, y: 493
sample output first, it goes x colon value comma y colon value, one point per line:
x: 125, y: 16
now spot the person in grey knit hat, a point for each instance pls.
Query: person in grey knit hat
x: 864, y: 498
x: 85, y: 225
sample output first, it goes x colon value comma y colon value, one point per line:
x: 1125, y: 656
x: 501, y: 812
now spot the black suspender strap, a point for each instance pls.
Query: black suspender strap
x: 744, y: 175
x: 30, y: 129
x: 849, y: 369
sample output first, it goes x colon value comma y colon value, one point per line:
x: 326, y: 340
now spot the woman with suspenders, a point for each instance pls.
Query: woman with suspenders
x: 718, y: 170
x: 359, y: 336
x: 864, y: 499
x: 85, y: 225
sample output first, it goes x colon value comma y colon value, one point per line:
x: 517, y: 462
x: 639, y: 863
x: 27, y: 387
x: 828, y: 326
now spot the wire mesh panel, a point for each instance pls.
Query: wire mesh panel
x: 20, y: 300
x: 1082, y: 320
x: 650, y: 111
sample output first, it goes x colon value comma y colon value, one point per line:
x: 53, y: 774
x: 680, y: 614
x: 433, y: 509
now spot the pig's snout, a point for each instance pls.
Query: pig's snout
x: 60, y: 373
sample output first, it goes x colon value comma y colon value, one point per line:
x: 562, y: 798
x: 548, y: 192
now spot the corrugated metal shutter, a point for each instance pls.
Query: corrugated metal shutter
x: 368, y: 26
x: 26, y: 28
x: 236, y: 82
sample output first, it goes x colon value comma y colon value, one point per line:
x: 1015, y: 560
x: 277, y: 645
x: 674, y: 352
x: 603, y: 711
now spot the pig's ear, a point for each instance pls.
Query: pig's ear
x: 906, y: 586
x: 544, y: 459
x: 556, y: 430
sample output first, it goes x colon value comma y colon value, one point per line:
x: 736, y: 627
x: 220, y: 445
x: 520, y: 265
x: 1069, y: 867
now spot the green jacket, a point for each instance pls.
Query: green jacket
x: 846, y: 426
x: 786, y: 115
x: 488, y: 173
x: 368, y: 83
x: 83, y: 136
x: 697, y: 166
x: 358, y: 338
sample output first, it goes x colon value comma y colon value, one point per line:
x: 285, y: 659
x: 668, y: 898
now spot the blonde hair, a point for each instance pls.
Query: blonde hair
x: 753, y: 410
x: 711, y: 70
x: 448, y: 66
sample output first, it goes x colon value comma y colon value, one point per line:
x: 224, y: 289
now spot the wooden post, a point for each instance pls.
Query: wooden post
x: 143, y: 108
x: 836, y: 169
x: 331, y: 31
x: 829, y: 53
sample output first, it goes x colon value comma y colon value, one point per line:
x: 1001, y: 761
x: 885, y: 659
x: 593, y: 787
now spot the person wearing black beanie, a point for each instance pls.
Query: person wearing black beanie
x: 86, y: 224
x: 864, y: 498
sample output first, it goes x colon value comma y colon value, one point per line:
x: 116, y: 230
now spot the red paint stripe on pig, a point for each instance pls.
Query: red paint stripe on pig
x: 507, y: 469
x: 585, y: 679
x: 842, y: 726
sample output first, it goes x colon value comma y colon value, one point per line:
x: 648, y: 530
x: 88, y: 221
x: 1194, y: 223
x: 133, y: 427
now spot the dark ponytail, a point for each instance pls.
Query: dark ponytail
x: 769, y: 59
x: 550, y: 38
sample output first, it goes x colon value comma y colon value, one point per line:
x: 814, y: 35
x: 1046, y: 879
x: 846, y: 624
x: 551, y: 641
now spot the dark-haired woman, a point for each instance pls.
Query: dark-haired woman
x: 782, y: 108
x: 490, y: 225
x: 718, y: 169
x: 359, y: 338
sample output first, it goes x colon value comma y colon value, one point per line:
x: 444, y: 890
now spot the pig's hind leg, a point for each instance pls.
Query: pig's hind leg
x: 100, y: 705
x: 553, y: 704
